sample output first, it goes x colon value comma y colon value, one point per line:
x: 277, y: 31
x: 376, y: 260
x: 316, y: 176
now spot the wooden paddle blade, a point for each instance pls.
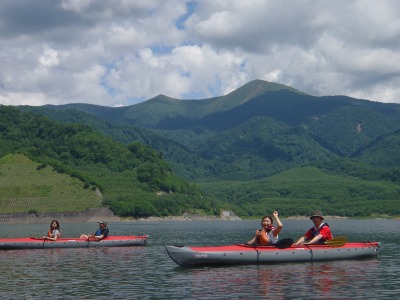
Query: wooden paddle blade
x: 284, y: 243
x: 337, y: 241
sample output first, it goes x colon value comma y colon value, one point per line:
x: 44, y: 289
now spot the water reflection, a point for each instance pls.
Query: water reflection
x: 322, y: 280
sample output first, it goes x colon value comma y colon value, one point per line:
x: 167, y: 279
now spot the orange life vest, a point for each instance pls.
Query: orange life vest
x: 262, y: 237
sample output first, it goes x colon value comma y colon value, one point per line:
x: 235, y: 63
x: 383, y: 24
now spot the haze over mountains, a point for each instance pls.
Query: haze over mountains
x: 258, y: 130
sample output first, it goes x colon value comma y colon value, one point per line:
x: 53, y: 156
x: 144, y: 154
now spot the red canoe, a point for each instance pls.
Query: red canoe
x: 39, y: 243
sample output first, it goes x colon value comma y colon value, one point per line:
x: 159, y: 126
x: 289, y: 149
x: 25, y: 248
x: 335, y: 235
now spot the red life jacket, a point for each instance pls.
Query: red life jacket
x: 315, y: 232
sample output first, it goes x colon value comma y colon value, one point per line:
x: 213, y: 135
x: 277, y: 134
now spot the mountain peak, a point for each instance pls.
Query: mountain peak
x: 161, y: 97
x: 249, y: 91
x: 257, y: 87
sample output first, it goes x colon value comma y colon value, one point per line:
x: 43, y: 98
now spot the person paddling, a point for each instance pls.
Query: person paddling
x: 268, y: 235
x: 318, y: 234
x: 100, y: 234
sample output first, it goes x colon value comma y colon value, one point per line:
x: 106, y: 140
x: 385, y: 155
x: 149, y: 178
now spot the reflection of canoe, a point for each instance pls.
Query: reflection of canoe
x: 39, y: 243
x: 244, y: 254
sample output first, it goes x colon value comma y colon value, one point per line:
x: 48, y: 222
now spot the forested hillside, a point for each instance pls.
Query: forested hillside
x: 133, y: 178
x: 299, y: 191
x: 255, y: 132
x: 258, y: 130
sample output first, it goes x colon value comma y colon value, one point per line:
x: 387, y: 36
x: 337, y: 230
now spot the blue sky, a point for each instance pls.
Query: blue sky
x: 120, y: 52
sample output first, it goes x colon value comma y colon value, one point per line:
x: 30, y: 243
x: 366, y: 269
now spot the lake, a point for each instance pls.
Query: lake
x: 148, y: 272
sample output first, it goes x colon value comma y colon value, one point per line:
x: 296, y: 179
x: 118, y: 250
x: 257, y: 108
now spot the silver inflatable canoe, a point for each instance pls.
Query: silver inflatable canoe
x: 247, y: 254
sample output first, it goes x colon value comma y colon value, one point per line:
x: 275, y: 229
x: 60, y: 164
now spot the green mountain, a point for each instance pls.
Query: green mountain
x: 264, y: 131
x: 156, y: 111
x: 258, y: 130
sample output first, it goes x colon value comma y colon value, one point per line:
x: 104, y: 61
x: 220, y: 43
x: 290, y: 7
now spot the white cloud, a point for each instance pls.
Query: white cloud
x: 49, y: 58
x: 35, y: 99
x: 120, y: 52
x: 76, y: 5
x: 176, y: 73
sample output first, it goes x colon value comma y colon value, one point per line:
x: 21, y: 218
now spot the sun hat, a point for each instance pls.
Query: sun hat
x: 102, y: 222
x: 316, y: 214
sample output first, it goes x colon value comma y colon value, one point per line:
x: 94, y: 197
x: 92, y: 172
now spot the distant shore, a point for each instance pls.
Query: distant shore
x: 104, y: 213
x: 306, y: 217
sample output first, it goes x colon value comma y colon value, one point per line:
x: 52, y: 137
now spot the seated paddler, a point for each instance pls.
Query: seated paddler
x: 100, y: 234
x: 318, y: 234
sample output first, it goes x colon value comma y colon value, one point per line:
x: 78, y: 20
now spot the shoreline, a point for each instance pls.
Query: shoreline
x: 307, y: 218
x: 94, y: 214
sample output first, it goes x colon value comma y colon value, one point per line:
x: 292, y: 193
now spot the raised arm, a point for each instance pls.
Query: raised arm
x: 279, y: 225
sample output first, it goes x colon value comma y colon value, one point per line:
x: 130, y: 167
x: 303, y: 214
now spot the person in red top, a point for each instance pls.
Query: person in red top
x: 317, y: 234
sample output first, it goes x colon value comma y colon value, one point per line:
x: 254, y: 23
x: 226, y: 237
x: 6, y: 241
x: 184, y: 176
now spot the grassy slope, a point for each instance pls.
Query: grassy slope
x: 23, y: 188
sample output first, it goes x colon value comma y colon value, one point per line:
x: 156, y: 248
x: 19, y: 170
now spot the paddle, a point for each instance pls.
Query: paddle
x: 284, y: 243
x: 42, y: 239
x: 337, y: 241
x: 280, y: 244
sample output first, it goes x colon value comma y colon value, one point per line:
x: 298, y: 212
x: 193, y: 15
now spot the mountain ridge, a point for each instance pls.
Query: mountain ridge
x: 142, y: 114
x: 192, y: 134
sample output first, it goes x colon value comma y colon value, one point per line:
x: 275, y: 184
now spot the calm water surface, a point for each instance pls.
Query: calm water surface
x: 148, y: 272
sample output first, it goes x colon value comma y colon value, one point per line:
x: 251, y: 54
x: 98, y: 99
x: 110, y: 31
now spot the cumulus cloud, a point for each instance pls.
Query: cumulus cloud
x: 121, y: 52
